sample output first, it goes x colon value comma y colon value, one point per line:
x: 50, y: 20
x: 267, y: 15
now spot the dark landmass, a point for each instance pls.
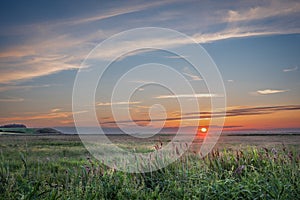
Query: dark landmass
x: 13, y: 126
x: 29, y: 131
x: 21, y: 129
x: 47, y: 131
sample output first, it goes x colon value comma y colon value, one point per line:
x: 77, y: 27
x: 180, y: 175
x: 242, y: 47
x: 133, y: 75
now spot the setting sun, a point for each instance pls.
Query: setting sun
x: 203, y: 130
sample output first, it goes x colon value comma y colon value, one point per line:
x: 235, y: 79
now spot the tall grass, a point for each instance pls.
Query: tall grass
x: 253, y: 173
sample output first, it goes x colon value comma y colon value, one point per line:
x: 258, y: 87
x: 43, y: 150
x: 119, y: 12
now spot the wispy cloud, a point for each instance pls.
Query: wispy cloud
x: 290, y: 69
x: 21, y: 87
x: 266, y: 109
x: 54, y: 46
x: 55, y: 110
x: 233, y: 112
x: 77, y: 21
x: 176, y: 57
x: 203, y: 95
x: 29, y: 67
x: 270, y: 9
x: 53, y: 114
x: 270, y: 91
x: 50, y: 50
x: 193, y: 77
x: 141, y: 81
x: 246, y: 111
x: 136, y: 52
x: 38, y: 117
x: 11, y: 99
x: 118, y: 103
x: 45, y: 54
x: 161, y: 42
x: 118, y: 12
x: 240, y: 32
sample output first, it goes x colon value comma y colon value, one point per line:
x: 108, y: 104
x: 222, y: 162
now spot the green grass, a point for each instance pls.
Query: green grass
x: 48, y: 168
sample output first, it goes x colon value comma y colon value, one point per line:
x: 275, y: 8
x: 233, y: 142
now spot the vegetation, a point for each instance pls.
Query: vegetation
x: 13, y: 126
x: 10, y: 130
x: 47, y: 168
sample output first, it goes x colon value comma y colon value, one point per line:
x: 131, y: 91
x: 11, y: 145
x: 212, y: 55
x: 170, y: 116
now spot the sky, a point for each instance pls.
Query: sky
x: 254, y: 44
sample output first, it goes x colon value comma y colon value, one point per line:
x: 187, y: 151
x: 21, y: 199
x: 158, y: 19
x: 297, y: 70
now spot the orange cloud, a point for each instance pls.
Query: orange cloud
x: 235, y: 117
x: 270, y: 91
x: 53, y: 118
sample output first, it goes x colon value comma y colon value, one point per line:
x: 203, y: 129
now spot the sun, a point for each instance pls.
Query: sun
x: 203, y: 130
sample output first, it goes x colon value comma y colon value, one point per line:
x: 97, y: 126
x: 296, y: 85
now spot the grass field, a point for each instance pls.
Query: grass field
x: 240, y: 167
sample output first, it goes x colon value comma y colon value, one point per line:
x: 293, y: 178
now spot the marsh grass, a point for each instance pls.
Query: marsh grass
x: 45, y: 169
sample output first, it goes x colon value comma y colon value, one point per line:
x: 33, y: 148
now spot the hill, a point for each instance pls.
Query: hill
x: 13, y: 126
x: 28, y: 131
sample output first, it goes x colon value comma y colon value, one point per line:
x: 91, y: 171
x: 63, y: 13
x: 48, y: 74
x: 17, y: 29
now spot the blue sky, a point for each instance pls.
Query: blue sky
x: 255, y: 45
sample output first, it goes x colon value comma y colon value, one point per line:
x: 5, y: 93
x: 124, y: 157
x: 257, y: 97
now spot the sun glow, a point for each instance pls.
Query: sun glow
x: 203, y: 130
